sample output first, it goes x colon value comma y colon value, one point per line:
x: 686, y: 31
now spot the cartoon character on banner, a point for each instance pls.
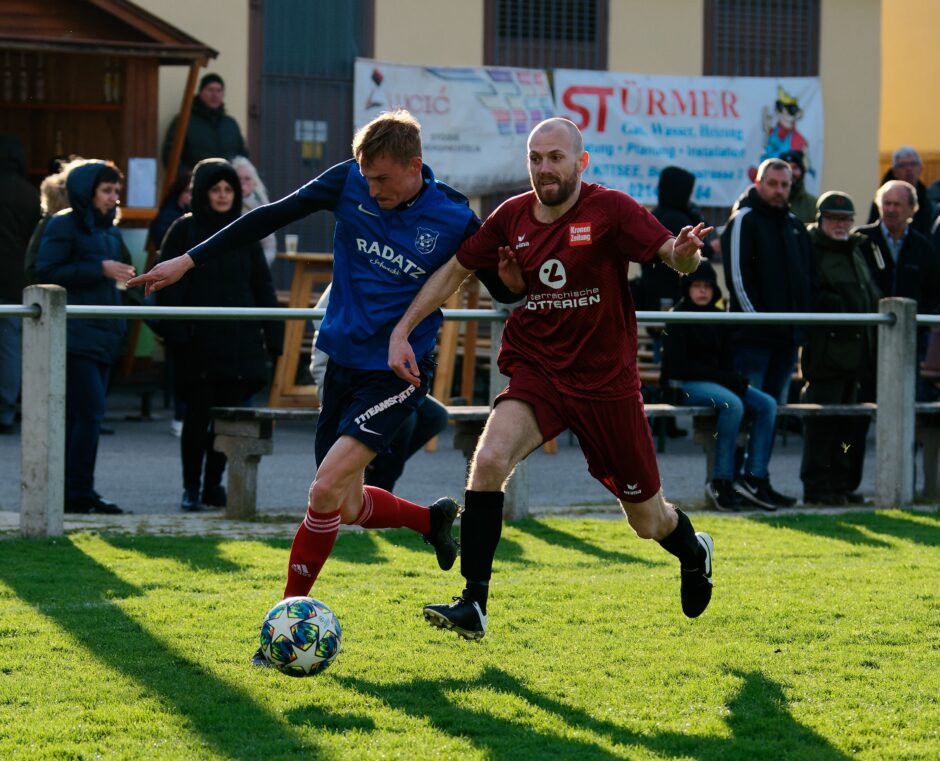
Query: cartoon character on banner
x: 780, y: 132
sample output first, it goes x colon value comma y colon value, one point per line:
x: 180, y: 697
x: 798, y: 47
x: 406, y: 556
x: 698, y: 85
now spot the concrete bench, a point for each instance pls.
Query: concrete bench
x: 244, y: 435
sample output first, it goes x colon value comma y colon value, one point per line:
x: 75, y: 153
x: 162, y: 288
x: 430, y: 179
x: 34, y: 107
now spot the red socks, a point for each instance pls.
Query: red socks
x: 316, y: 536
x: 382, y: 509
x: 312, y: 545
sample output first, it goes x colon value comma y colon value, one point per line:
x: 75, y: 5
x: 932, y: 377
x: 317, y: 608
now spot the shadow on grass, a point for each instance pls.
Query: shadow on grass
x: 857, y: 528
x: 197, y: 553
x: 760, y: 723
x: 558, y: 538
x: 227, y: 719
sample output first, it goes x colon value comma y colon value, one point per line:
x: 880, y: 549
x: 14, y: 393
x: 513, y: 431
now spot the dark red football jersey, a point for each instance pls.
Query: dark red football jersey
x: 578, y: 324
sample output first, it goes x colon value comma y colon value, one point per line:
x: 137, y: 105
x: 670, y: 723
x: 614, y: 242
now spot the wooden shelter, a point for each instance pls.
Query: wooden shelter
x: 81, y: 77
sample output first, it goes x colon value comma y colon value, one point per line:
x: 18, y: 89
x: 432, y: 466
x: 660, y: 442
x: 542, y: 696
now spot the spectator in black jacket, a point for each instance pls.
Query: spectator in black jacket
x: 768, y: 260
x: 211, y: 132
x: 19, y: 213
x: 219, y: 363
x: 697, y: 358
x: 903, y: 263
x: 906, y: 165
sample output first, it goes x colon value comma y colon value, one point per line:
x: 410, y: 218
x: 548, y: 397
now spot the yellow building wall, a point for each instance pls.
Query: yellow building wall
x: 850, y: 72
x: 220, y: 24
x: 663, y: 37
x: 437, y: 33
x: 910, y: 108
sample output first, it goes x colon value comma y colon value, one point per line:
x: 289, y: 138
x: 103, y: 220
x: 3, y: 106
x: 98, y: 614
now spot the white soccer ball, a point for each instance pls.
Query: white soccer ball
x: 301, y: 636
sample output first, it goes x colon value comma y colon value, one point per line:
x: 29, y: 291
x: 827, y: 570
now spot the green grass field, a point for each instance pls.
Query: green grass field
x: 822, y: 642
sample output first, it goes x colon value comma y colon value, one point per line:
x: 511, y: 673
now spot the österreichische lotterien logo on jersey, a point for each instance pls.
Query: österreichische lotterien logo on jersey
x: 426, y: 240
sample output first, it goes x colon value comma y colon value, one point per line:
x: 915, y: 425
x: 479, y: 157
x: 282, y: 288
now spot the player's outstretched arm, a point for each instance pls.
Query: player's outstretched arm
x: 682, y: 252
x: 164, y: 274
x: 433, y: 293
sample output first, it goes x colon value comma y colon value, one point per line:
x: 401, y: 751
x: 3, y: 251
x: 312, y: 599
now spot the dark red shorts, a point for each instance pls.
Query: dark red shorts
x: 614, y: 434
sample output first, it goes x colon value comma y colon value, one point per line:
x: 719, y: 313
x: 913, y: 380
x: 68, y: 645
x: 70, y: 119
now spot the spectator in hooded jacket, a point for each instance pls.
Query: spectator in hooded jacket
x: 836, y: 358
x: 219, y: 363
x: 211, y: 132
x: 81, y: 250
x: 19, y: 212
x: 697, y: 357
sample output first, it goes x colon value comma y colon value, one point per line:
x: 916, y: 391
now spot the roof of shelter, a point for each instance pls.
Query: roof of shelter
x: 116, y: 27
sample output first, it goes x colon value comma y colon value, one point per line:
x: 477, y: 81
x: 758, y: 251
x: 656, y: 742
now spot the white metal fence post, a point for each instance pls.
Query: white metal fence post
x: 517, y: 489
x: 897, y: 378
x: 42, y: 447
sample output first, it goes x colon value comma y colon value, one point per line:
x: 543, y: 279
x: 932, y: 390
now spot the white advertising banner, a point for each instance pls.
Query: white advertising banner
x: 474, y: 121
x: 718, y: 128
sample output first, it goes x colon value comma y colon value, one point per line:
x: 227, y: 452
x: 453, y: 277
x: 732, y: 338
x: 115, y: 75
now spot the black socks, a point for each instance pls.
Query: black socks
x: 480, y: 528
x: 683, y: 543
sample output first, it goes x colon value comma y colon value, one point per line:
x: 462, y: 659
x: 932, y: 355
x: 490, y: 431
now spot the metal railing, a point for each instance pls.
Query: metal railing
x: 44, y: 312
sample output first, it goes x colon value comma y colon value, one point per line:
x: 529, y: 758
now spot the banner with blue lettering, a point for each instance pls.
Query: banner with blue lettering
x: 718, y: 128
x: 474, y: 120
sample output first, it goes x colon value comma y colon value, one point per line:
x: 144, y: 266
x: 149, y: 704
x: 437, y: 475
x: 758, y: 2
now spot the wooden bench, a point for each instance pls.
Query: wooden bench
x: 244, y: 434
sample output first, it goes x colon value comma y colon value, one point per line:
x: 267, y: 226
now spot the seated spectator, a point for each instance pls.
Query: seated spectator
x: 81, y: 250
x: 220, y: 363
x: 698, y: 359
x: 254, y: 194
x: 427, y: 421
x: 835, y: 358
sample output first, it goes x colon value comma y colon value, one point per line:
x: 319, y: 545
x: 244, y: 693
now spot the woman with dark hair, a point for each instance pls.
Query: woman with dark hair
x: 220, y: 363
x: 81, y: 250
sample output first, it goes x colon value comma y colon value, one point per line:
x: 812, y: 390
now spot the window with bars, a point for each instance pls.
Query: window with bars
x: 544, y: 34
x: 762, y: 38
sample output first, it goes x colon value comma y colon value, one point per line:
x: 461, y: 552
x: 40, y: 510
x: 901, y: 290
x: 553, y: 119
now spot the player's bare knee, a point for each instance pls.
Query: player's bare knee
x: 489, y: 469
x: 326, y: 495
x: 652, y: 519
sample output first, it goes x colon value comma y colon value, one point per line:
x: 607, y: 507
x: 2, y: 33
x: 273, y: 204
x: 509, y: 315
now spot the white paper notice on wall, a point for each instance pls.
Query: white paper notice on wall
x: 141, y: 183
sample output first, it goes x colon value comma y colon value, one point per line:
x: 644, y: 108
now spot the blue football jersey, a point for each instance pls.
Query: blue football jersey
x: 381, y: 258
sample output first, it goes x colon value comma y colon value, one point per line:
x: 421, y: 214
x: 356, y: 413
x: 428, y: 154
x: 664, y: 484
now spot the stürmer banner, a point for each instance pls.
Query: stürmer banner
x: 718, y: 128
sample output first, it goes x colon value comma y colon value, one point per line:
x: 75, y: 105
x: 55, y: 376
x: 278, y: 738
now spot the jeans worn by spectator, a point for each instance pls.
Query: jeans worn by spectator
x: 767, y: 367
x: 86, y: 382
x: 731, y: 409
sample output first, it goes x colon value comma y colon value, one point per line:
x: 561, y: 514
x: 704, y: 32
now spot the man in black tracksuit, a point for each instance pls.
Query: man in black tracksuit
x: 768, y: 267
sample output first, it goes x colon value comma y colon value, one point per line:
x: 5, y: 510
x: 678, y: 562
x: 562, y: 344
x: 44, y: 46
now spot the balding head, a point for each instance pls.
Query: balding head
x: 576, y: 143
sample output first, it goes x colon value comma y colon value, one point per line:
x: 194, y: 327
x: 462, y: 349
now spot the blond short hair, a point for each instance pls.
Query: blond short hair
x: 395, y: 134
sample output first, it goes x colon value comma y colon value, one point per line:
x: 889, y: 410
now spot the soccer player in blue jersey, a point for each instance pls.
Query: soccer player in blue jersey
x: 395, y: 225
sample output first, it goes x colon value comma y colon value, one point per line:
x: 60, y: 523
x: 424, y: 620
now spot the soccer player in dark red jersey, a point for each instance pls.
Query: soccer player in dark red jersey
x: 570, y: 354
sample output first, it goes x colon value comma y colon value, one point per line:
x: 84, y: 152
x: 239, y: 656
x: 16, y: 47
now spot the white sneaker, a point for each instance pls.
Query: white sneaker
x: 176, y: 428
